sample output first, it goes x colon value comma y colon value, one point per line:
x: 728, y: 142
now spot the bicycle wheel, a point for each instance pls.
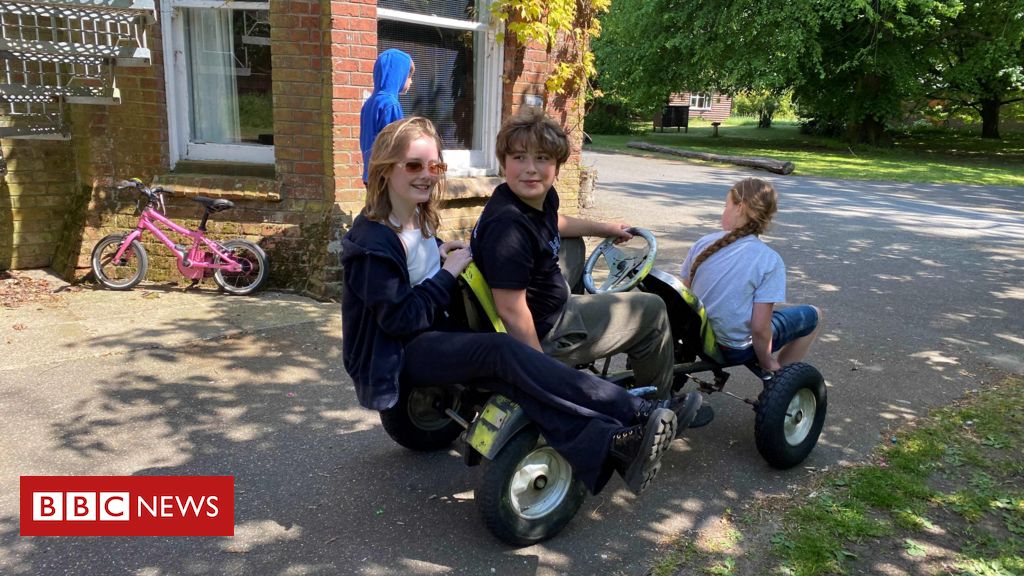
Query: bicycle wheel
x: 254, y: 268
x: 122, y: 274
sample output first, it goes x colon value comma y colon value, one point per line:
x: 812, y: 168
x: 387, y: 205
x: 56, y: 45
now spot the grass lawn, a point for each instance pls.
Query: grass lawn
x: 944, y: 496
x: 920, y: 156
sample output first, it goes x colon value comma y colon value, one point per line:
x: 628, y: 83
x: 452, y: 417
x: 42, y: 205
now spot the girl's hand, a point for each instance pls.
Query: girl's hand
x: 457, y: 260
x: 449, y: 246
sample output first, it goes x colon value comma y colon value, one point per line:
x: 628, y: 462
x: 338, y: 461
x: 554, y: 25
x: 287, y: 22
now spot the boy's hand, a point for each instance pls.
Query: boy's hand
x: 619, y: 231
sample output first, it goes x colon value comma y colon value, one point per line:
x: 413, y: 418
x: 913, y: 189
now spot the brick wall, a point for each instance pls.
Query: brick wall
x: 322, y: 55
x: 34, y: 198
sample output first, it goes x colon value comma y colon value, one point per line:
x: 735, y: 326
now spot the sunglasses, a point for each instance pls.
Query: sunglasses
x: 416, y: 166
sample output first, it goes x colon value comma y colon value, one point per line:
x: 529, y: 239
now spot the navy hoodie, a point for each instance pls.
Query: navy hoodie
x: 381, y: 311
x: 390, y: 72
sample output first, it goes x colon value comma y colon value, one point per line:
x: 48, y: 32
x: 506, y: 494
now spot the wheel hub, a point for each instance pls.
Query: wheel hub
x: 540, y: 483
x: 800, y: 416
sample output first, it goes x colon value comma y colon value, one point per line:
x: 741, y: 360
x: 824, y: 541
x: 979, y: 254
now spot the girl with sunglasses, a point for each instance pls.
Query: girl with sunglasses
x: 399, y: 281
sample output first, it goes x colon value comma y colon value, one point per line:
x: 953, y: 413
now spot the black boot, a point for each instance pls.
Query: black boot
x: 636, y: 451
x: 685, y: 408
x: 704, y: 416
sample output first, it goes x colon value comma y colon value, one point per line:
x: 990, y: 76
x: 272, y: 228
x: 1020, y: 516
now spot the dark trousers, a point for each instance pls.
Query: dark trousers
x: 575, y: 411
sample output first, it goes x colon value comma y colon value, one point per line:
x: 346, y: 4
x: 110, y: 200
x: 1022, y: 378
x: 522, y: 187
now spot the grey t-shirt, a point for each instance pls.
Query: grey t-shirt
x: 731, y: 280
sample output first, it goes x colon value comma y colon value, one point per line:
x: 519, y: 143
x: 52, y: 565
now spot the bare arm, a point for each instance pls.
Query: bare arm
x: 576, y: 227
x: 516, y: 315
x: 761, y: 330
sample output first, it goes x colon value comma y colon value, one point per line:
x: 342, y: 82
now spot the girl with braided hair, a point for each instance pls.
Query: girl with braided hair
x: 740, y: 279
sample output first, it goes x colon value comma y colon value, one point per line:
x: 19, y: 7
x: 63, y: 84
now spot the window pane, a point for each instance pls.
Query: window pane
x: 457, y: 9
x: 229, y: 76
x: 443, y: 86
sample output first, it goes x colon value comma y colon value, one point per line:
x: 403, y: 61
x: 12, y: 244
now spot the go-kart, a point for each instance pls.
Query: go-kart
x: 529, y: 492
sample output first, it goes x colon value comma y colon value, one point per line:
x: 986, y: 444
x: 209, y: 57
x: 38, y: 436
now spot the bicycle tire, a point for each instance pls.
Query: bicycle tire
x: 103, y: 266
x: 254, y: 272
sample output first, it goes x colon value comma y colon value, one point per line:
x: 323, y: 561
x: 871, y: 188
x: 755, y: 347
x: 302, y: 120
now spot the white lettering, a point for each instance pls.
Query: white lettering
x: 211, y: 502
x: 144, y: 504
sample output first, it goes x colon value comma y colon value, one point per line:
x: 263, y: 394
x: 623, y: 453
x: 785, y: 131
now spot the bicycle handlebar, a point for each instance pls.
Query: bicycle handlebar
x: 153, y: 195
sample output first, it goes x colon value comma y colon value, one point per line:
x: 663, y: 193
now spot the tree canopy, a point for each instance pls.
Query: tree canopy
x: 850, y: 63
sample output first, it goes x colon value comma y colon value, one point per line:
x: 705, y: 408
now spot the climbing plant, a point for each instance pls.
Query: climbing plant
x: 575, y: 22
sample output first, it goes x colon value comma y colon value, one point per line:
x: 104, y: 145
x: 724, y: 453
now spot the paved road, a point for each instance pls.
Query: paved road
x: 922, y: 286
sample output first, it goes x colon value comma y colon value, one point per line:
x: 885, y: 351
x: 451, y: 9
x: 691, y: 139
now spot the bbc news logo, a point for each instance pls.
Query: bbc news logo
x: 127, y: 506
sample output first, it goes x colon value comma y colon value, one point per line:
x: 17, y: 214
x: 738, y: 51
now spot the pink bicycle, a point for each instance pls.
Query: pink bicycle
x: 119, y: 261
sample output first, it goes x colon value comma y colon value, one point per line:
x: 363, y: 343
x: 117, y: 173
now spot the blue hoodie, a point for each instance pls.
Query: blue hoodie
x: 390, y: 72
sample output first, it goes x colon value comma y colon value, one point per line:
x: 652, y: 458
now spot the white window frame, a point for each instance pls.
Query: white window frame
x: 695, y: 99
x: 177, y: 80
x: 487, y: 105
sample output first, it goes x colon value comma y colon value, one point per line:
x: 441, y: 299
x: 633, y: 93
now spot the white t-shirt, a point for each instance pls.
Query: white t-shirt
x: 422, y: 255
x: 732, y: 280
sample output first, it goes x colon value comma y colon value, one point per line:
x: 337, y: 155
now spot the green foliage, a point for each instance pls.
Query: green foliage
x: 765, y: 104
x: 609, y: 115
x: 851, y: 64
x: 546, y: 21
x: 977, y: 60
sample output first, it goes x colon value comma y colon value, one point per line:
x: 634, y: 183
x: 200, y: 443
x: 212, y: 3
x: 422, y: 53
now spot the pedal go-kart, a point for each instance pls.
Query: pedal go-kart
x: 529, y: 492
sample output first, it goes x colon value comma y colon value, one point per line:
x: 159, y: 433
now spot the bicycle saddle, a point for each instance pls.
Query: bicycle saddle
x: 214, y: 204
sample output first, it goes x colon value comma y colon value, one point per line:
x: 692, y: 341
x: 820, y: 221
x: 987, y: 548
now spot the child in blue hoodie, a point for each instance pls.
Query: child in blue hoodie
x: 392, y: 75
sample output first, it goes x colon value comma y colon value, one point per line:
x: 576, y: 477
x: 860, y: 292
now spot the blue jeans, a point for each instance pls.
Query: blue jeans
x: 788, y: 324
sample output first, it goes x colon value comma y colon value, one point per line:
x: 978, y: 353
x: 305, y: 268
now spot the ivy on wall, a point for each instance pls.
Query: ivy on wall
x: 547, y: 21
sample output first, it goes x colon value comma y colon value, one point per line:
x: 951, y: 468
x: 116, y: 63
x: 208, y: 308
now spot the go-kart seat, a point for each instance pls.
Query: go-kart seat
x: 480, y: 312
x: 691, y: 330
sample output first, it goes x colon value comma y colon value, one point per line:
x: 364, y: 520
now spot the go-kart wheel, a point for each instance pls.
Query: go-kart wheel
x: 624, y: 271
x: 790, y: 414
x: 529, y: 492
x: 418, y: 421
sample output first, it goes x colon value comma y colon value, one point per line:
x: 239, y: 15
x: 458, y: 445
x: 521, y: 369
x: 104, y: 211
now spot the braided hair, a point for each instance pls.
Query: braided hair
x: 759, y: 201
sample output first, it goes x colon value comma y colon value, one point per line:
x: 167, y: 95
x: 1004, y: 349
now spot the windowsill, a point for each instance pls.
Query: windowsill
x: 227, y: 186
x: 464, y: 188
x: 224, y: 168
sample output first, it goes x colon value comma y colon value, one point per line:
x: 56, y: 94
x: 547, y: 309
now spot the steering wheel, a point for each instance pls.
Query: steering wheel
x: 624, y: 271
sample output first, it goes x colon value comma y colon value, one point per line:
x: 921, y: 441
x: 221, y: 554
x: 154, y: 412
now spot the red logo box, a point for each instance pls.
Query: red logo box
x: 127, y: 506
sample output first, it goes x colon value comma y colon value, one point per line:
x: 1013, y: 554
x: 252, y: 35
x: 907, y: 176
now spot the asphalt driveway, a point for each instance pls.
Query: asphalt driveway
x: 922, y: 287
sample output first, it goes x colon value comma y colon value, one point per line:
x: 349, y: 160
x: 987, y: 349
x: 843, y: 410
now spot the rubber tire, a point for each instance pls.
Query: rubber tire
x: 495, y: 505
x: 416, y: 423
x: 769, y: 426
x: 97, y: 269
x: 261, y: 256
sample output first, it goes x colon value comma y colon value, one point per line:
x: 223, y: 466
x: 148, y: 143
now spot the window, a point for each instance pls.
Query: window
x: 219, y: 103
x: 456, y: 83
x: 700, y: 101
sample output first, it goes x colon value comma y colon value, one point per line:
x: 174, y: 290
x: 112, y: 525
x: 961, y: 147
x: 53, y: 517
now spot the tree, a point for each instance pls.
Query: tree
x: 850, y: 62
x: 978, y: 60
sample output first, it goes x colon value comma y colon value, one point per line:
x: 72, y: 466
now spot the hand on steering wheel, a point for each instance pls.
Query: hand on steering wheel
x: 624, y: 271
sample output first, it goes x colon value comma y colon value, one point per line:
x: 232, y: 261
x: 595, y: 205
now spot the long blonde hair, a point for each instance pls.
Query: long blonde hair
x: 389, y: 149
x: 760, y: 203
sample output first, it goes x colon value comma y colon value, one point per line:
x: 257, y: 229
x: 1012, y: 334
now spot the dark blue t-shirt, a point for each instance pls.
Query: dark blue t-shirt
x: 516, y: 248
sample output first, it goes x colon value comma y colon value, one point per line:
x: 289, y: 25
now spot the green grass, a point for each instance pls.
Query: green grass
x: 926, y: 155
x: 943, y: 496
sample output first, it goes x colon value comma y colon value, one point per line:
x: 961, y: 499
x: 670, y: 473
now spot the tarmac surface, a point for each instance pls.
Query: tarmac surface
x: 922, y: 288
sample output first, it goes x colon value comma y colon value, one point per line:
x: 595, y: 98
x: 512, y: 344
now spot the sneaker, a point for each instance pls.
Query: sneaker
x: 704, y: 416
x: 686, y: 408
x: 636, y: 451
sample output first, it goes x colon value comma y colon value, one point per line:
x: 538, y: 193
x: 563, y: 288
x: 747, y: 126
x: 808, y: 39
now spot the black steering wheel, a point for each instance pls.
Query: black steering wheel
x: 625, y: 271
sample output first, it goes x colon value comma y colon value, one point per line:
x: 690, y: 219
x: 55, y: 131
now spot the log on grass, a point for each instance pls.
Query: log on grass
x: 768, y: 164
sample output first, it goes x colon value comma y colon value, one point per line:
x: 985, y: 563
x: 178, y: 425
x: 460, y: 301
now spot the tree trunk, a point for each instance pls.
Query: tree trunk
x: 990, y: 118
x: 869, y: 130
x: 769, y: 164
